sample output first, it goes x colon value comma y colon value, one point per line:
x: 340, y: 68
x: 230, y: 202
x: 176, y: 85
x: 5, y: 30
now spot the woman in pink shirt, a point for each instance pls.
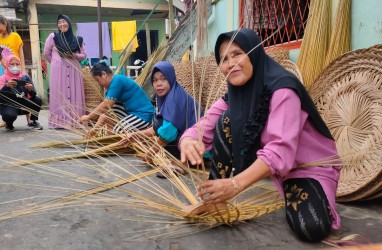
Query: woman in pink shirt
x: 266, y: 126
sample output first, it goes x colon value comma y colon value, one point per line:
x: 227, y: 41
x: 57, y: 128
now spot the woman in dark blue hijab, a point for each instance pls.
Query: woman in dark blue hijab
x: 176, y: 111
x: 177, y: 106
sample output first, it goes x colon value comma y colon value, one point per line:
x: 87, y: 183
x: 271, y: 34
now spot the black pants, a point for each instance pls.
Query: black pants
x: 306, y: 205
x: 10, y: 113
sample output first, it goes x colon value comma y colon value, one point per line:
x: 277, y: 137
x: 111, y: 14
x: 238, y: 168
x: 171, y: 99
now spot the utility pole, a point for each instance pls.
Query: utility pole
x: 99, y: 29
x: 171, y: 16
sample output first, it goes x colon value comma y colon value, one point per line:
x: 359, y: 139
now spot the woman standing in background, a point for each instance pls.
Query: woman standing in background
x: 10, y: 43
x: 63, y: 51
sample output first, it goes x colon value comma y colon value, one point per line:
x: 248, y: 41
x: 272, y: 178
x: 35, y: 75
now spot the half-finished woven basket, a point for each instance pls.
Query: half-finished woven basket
x: 348, y: 95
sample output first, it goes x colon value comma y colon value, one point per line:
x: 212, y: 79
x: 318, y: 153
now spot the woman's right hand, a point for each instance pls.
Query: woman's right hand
x: 84, y: 119
x: 11, y: 84
x: 191, y: 150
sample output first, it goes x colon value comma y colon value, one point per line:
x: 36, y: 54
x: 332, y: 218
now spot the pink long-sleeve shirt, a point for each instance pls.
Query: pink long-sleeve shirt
x: 288, y: 140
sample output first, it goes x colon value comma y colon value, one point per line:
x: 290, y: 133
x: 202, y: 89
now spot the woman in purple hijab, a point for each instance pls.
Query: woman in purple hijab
x: 176, y: 111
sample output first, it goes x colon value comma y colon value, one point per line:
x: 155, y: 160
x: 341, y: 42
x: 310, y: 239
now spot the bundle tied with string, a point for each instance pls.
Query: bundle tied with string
x: 348, y: 95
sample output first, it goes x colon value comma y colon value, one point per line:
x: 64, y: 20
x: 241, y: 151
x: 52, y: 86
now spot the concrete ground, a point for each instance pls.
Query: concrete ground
x: 107, y: 227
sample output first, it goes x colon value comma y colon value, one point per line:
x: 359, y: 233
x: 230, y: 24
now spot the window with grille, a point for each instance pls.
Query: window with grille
x: 276, y: 21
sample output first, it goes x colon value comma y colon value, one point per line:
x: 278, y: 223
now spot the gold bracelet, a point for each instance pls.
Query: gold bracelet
x: 235, y: 186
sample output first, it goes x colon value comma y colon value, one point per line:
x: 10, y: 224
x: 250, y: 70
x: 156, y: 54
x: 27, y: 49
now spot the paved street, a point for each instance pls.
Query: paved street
x: 107, y: 227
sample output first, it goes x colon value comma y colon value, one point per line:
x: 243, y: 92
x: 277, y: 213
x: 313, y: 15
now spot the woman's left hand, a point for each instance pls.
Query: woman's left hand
x: 216, y: 191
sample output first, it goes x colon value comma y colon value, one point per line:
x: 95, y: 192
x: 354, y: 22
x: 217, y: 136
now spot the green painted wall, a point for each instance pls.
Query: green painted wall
x: 224, y: 17
x: 366, y: 23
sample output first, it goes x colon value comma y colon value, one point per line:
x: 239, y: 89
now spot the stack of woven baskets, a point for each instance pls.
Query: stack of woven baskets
x: 348, y: 94
x: 203, y: 76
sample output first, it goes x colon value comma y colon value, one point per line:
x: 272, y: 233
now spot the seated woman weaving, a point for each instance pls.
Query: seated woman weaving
x: 266, y: 126
x: 126, y: 106
x: 175, y: 112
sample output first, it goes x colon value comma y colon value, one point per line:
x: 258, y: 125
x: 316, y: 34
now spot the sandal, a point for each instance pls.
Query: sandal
x: 163, y: 174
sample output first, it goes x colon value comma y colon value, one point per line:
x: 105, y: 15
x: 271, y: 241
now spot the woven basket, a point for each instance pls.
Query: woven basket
x: 184, y: 76
x: 278, y: 53
x: 203, y: 76
x: 93, y: 92
x: 291, y: 67
x: 212, y: 81
x: 348, y: 95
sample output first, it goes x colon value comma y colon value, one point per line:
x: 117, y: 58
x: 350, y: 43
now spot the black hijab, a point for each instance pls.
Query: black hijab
x: 249, y: 104
x: 66, y: 41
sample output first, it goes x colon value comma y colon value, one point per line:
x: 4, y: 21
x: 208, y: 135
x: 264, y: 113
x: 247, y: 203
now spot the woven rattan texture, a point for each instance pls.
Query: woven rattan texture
x: 348, y: 95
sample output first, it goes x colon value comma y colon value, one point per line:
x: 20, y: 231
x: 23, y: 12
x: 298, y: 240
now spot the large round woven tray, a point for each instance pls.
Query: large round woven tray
x: 348, y: 95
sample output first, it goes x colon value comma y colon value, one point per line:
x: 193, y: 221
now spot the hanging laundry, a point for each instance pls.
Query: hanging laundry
x: 89, y: 31
x: 122, y: 33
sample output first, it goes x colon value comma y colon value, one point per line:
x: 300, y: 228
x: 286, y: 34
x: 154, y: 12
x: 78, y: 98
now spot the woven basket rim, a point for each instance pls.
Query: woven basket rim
x: 292, y: 67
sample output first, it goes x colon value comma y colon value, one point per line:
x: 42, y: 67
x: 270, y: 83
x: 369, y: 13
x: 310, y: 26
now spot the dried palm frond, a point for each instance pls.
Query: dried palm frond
x: 108, y: 150
x: 314, y: 47
x: 104, y: 140
x: 340, y: 37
